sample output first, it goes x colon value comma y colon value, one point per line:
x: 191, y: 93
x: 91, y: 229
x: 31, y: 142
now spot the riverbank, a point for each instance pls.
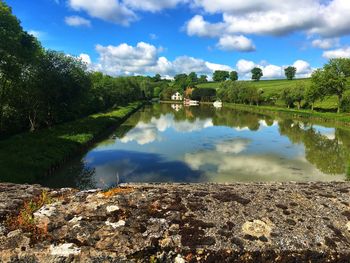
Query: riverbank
x: 258, y: 222
x: 28, y: 156
x: 328, y: 117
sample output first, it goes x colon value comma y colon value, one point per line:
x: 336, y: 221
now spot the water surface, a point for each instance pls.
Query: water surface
x: 172, y: 143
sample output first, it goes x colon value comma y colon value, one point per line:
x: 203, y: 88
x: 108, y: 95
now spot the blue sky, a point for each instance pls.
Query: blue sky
x: 130, y: 37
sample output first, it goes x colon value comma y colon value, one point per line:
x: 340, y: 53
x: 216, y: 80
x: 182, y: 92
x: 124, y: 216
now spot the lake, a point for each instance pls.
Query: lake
x: 173, y: 143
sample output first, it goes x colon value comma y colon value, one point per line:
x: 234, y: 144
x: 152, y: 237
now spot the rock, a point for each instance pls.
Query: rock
x: 75, y: 219
x: 112, y: 208
x: 179, y: 259
x: 257, y: 228
x: 116, y: 225
x: 255, y: 222
x: 14, y: 233
x: 64, y: 250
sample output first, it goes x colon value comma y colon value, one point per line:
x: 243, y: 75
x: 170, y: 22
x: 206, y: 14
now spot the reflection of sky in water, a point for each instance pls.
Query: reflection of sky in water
x: 166, y: 149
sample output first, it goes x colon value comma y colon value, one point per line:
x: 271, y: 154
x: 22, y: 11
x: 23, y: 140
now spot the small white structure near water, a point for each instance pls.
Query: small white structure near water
x: 176, y: 96
x: 217, y: 104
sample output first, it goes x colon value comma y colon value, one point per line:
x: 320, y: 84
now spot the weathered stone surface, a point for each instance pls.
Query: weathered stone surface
x: 277, y: 222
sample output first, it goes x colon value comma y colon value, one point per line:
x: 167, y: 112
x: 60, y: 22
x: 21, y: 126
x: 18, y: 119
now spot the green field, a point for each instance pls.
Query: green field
x: 274, y: 88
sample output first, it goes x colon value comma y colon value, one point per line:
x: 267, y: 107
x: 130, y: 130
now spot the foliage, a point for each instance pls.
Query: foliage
x: 332, y: 78
x: 296, y: 94
x: 204, y: 94
x: 27, y: 156
x: 203, y: 79
x: 233, y: 75
x: 290, y: 72
x: 220, y: 75
x: 239, y: 92
x: 257, y: 73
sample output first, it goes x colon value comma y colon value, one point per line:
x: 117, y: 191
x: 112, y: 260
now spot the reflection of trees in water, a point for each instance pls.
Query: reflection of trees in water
x: 328, y: 155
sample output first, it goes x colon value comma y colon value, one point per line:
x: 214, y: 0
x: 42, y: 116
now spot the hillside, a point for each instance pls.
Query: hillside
x: 274, y: 87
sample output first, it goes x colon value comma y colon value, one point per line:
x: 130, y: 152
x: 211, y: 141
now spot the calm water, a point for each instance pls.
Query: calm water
x: 164, y: 143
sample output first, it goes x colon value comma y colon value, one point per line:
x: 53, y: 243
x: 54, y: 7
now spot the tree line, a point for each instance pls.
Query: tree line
x: 40, y: 87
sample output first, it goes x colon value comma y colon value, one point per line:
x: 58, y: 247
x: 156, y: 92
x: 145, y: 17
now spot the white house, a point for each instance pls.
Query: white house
x: 176, y: 96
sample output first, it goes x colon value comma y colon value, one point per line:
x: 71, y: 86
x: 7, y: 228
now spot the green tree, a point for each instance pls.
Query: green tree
x: 257, y: 73
x: 203, y: 79
x: 192, y: 78
x: 157, y: 78
x: 290, y: 72
x: 298, y: 93
x: 220, y: 75
x: 233, y: 75
x: 181, y: 81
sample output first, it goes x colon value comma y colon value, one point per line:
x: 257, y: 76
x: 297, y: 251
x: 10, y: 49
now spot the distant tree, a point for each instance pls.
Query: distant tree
x: 220, y: 75
x: 233, y: 75
x: 203, y: 79
x: 192, y: 78
x: 290, y: 72
x: 157, y: 78
x: 257, y: 73
x: 181, y: 81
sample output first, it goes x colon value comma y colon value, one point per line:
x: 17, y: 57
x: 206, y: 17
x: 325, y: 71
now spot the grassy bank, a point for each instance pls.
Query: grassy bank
x: 25, y: 157
x: 272, y: 88
x: 329, y: 117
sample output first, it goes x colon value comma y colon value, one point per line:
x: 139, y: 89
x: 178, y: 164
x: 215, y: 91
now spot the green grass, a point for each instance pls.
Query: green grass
x: 274, y: 88
x: 325, y: 117
x: 29, y: 156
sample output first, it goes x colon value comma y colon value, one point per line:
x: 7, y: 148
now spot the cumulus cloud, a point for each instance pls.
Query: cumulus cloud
x: 326, y: 43
x: 153, y: 5
x: 337, y: 53
x: 145, y: 58
x: 237, y: 43
x: 259, y: 17
x: 271, y: 71
x: 145, y: 133
x: 77, y: 21
x: 109, y: 10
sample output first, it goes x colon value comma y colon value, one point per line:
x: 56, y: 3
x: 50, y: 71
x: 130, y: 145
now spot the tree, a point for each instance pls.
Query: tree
x: 290, y: 72
x: 315, y: 92
x: 192, y: 78
x: 203, y: 79
x: 298, y: 93
x: 220, y: 75
x: 157, y: 78
x: 332, y: 79
x: 257, y: 73
x: 181, y: 81
x: 233, y: 75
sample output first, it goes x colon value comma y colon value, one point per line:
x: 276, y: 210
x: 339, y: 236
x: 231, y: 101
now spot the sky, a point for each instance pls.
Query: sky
x: 145, y: 37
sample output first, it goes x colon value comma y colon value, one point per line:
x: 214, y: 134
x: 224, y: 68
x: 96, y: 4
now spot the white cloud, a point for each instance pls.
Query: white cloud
x: 337, y: 53
x: 144, y: 59
x: 245, y: 66
x: 198, y: 27
x: 325, y: 43
x: 238, y: 43
x: 77, y: 21
x: 108, y: 10
x: 328, y: 19
x: 152, y: 5
x: 85, y: 58
x: 271, y: 71
x: 302, y: 67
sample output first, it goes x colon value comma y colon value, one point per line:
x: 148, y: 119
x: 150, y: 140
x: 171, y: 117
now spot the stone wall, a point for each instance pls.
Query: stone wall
x: 277, y: 222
